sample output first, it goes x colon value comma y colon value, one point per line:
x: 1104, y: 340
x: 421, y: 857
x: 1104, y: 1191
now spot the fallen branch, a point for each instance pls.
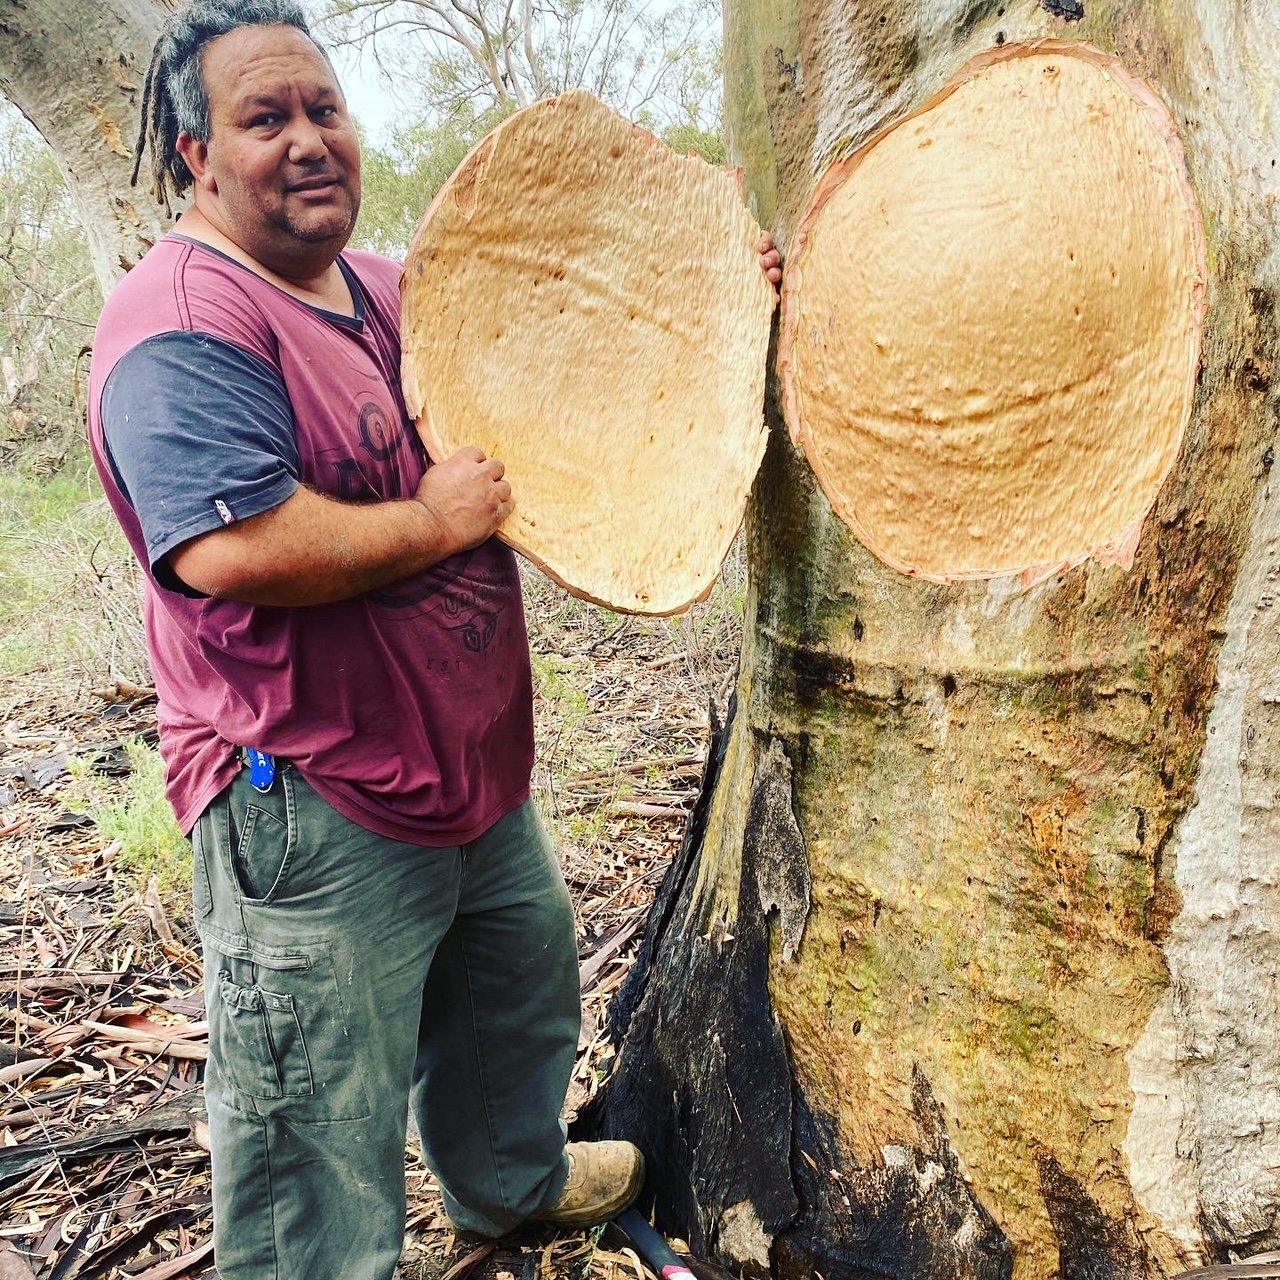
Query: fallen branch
x: 176, y: 1046
x: 592, y: 965
x: 659, y: 765
x: 632, y: 809
x: 25, y: 1117
x: 179, y: 1115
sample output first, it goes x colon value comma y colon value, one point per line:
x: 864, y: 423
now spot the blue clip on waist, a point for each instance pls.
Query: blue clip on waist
x: 262, y: 769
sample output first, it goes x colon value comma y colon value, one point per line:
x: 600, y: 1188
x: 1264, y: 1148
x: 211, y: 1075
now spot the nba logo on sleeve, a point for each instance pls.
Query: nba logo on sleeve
x: 225, y: 514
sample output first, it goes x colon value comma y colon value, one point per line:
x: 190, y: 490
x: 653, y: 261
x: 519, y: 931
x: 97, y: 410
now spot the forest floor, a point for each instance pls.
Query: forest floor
x: 103, y: 1164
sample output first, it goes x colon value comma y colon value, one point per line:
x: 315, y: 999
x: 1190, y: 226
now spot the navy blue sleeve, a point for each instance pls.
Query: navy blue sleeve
x: 199, y: 434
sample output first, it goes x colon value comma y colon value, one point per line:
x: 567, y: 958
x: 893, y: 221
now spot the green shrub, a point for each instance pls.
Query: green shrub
x: 136, y: 812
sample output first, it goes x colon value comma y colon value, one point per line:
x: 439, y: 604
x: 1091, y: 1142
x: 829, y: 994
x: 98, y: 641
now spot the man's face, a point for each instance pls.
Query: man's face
x: 282, y: 164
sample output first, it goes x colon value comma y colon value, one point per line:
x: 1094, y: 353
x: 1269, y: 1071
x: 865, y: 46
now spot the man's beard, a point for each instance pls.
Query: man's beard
x: 316, y: 235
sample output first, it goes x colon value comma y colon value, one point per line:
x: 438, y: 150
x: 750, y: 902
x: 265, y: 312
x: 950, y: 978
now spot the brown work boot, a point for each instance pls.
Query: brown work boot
x: 604, y: 1178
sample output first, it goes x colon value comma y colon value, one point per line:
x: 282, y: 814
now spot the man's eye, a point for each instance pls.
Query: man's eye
x: 264, y: 121
x: 327, y: 113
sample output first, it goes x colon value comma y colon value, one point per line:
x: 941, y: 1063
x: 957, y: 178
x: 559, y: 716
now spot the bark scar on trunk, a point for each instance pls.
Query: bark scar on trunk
x: 777, y: 849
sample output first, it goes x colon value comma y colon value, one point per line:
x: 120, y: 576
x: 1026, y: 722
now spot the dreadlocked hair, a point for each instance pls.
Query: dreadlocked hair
x: 174, y: 97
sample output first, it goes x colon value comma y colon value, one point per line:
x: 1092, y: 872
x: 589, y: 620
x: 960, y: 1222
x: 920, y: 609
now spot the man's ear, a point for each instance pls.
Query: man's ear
x: 196, y: 156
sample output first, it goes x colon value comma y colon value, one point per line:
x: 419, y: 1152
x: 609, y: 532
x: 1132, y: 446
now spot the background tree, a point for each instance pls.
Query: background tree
x: 971, y: 966
x: 458, y: 71
x: 404, y: 169
x: 48, y: 294
x: 656, y: 63
x: 76, y: 73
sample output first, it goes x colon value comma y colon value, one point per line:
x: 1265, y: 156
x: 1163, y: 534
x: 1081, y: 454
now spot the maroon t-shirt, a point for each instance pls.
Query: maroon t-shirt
x: 213, y: 395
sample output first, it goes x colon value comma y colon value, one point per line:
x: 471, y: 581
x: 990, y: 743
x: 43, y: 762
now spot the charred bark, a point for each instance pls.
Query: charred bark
x: 739, y: 1162
x: 720, y: 1166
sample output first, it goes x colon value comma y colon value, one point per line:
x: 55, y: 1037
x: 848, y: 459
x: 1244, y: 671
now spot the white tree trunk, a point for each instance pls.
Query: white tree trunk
x: 76, y: 72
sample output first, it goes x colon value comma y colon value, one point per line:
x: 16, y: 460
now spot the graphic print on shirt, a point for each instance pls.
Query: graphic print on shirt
x: 470, y: 592
x: 378, y: 476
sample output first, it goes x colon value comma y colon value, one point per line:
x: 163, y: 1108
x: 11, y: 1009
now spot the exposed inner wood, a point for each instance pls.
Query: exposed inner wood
x: 586, y: 305
x: 992, y: 319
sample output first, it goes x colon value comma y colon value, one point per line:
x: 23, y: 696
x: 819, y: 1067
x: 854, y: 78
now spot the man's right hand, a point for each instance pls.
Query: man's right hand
x: 467, y: 497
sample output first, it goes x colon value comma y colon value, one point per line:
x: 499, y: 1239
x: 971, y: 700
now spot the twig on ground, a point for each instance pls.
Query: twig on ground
x: 155, y: 913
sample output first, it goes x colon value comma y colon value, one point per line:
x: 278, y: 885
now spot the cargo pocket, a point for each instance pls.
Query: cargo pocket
x: 278, y: 1034
x: 264, y: 850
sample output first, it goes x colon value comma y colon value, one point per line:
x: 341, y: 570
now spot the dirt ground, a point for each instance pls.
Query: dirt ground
x: 103, y: 1167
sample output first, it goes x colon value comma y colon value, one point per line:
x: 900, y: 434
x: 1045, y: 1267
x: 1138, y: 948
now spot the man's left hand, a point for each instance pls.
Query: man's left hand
x: 770, y: 259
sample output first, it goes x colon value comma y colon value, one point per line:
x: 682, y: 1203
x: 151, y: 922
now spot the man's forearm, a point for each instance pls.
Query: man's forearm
x: 313, y: 550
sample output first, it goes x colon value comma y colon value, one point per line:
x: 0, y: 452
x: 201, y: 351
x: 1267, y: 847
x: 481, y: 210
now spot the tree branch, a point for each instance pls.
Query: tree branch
x: 536, y: 73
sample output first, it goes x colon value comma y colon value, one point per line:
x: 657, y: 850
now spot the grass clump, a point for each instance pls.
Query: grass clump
x: 69, y: 587
x: 136, y: 813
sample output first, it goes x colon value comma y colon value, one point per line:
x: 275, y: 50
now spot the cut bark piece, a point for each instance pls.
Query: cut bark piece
x: 992, y: 318
x: 586, y: 305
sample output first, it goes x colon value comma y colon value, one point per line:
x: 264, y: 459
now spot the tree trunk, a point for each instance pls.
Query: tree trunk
x: 971, y: 966
x: 76, y: 72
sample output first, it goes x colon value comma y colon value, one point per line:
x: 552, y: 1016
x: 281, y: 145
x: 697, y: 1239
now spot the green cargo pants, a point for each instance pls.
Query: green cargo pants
x: 349, y: 977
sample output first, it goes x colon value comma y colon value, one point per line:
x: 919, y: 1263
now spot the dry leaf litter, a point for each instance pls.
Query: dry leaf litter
x: 104, y: 1169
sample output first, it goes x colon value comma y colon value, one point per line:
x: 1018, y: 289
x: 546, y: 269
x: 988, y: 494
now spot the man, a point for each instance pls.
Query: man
x: 382, y: 917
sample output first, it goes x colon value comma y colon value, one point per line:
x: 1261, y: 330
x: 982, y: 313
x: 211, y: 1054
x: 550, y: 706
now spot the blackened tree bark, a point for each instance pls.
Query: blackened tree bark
x: 971, y: 966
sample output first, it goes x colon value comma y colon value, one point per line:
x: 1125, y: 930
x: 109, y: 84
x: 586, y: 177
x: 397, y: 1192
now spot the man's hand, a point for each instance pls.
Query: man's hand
x: 468, y: 497
x: 770, y: 259
x: 312, y: 549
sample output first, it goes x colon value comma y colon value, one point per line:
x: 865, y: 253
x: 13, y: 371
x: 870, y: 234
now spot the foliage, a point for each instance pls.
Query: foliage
x: 689, y: 139
x: 659, y: 64
x: 49, y: 298
x: 68, y: 592
x: 140, y: 818
x: 402, y: 174
x: 68, y: 582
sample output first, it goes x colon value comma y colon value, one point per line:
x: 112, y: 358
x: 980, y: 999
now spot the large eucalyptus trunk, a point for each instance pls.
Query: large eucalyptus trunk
x: 76, y: 72
x: 972, y: 964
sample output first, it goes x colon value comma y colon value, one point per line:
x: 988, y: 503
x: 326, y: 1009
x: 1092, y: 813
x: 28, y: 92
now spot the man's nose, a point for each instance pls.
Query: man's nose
x: 306, y: 141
